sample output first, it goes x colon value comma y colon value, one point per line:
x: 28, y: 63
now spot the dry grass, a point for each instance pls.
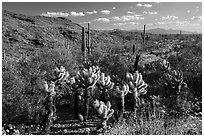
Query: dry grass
x: 183, y: 126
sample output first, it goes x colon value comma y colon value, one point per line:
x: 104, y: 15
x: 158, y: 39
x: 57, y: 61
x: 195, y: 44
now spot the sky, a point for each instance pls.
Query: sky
x: 118, y: 15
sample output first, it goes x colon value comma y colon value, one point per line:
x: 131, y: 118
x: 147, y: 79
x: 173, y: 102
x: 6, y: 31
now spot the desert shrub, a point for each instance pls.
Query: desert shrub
x: 14, y: 103
x: 19, y: 90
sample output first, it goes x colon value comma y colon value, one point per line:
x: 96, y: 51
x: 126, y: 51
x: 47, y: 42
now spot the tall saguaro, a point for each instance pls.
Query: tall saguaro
x: 83, y: 48
x: 133, y: 48
x: 144, y: 35
x: 88, y: 42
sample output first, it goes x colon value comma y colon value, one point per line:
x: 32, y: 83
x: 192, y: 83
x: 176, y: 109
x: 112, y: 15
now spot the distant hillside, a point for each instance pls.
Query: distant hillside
x: 23, y: 34
x: 30, y: 35
x: 168, y: 31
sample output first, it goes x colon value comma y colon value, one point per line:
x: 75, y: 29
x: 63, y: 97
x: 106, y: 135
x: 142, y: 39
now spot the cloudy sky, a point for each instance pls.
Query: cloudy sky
x: 118, y: 15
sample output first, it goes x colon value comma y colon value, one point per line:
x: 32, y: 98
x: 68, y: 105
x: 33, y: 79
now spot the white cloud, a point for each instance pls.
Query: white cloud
x: 102, y: 20
x: 150, y: 12
x: 115, y: 18
x: 131, y: 17
x: 144, y: 5
x: 106, y: 12
x: 182, y: 22
x: 199, y: 18
x: 127, y: 18
x: 147, y: 5
x: 114, y: 8
x: 139, y: 5
x: 160, y: 23
x: 86, y: 22
x: 73, y: 13
x: 188, y: 11
x: 130, y: 12
x: 55, y: 14
x: 126, y: 23
x: 169, y: 18
x: 150, y: 24
x: 91, y: 12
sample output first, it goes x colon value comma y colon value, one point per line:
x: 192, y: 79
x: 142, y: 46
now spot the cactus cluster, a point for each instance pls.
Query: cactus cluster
x: 62, y: 75
x: 165, y: 65
x: 136, y: 84
x: 104, y: 111
x: 104, y: 82
x: 124, y: 90
x: 174, y: 79
x: 49, y: 88
x: 87, y: 78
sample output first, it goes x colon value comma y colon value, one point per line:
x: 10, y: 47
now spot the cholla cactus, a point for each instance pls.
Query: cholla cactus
x: 104, y: 84
x: 87, y: 79
x: 174, y: 79
x: 123, y: 91
x: 63, y: 76
x: 104, y: 111
x: 165, y: 65
x: 137, y: 86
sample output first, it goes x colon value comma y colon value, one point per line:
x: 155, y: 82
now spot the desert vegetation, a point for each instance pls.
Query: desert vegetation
x: 117, y: 83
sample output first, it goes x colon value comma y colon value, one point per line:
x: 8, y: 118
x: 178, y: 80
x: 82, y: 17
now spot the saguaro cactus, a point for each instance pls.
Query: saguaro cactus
x: 123, y: 91
x: 137, y: 86
x: 86, y: 79
x: 88, y: 40
x: 104, y: 112
x: 143, y: 35
x: 104, y: 84
x: 83, y: 48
